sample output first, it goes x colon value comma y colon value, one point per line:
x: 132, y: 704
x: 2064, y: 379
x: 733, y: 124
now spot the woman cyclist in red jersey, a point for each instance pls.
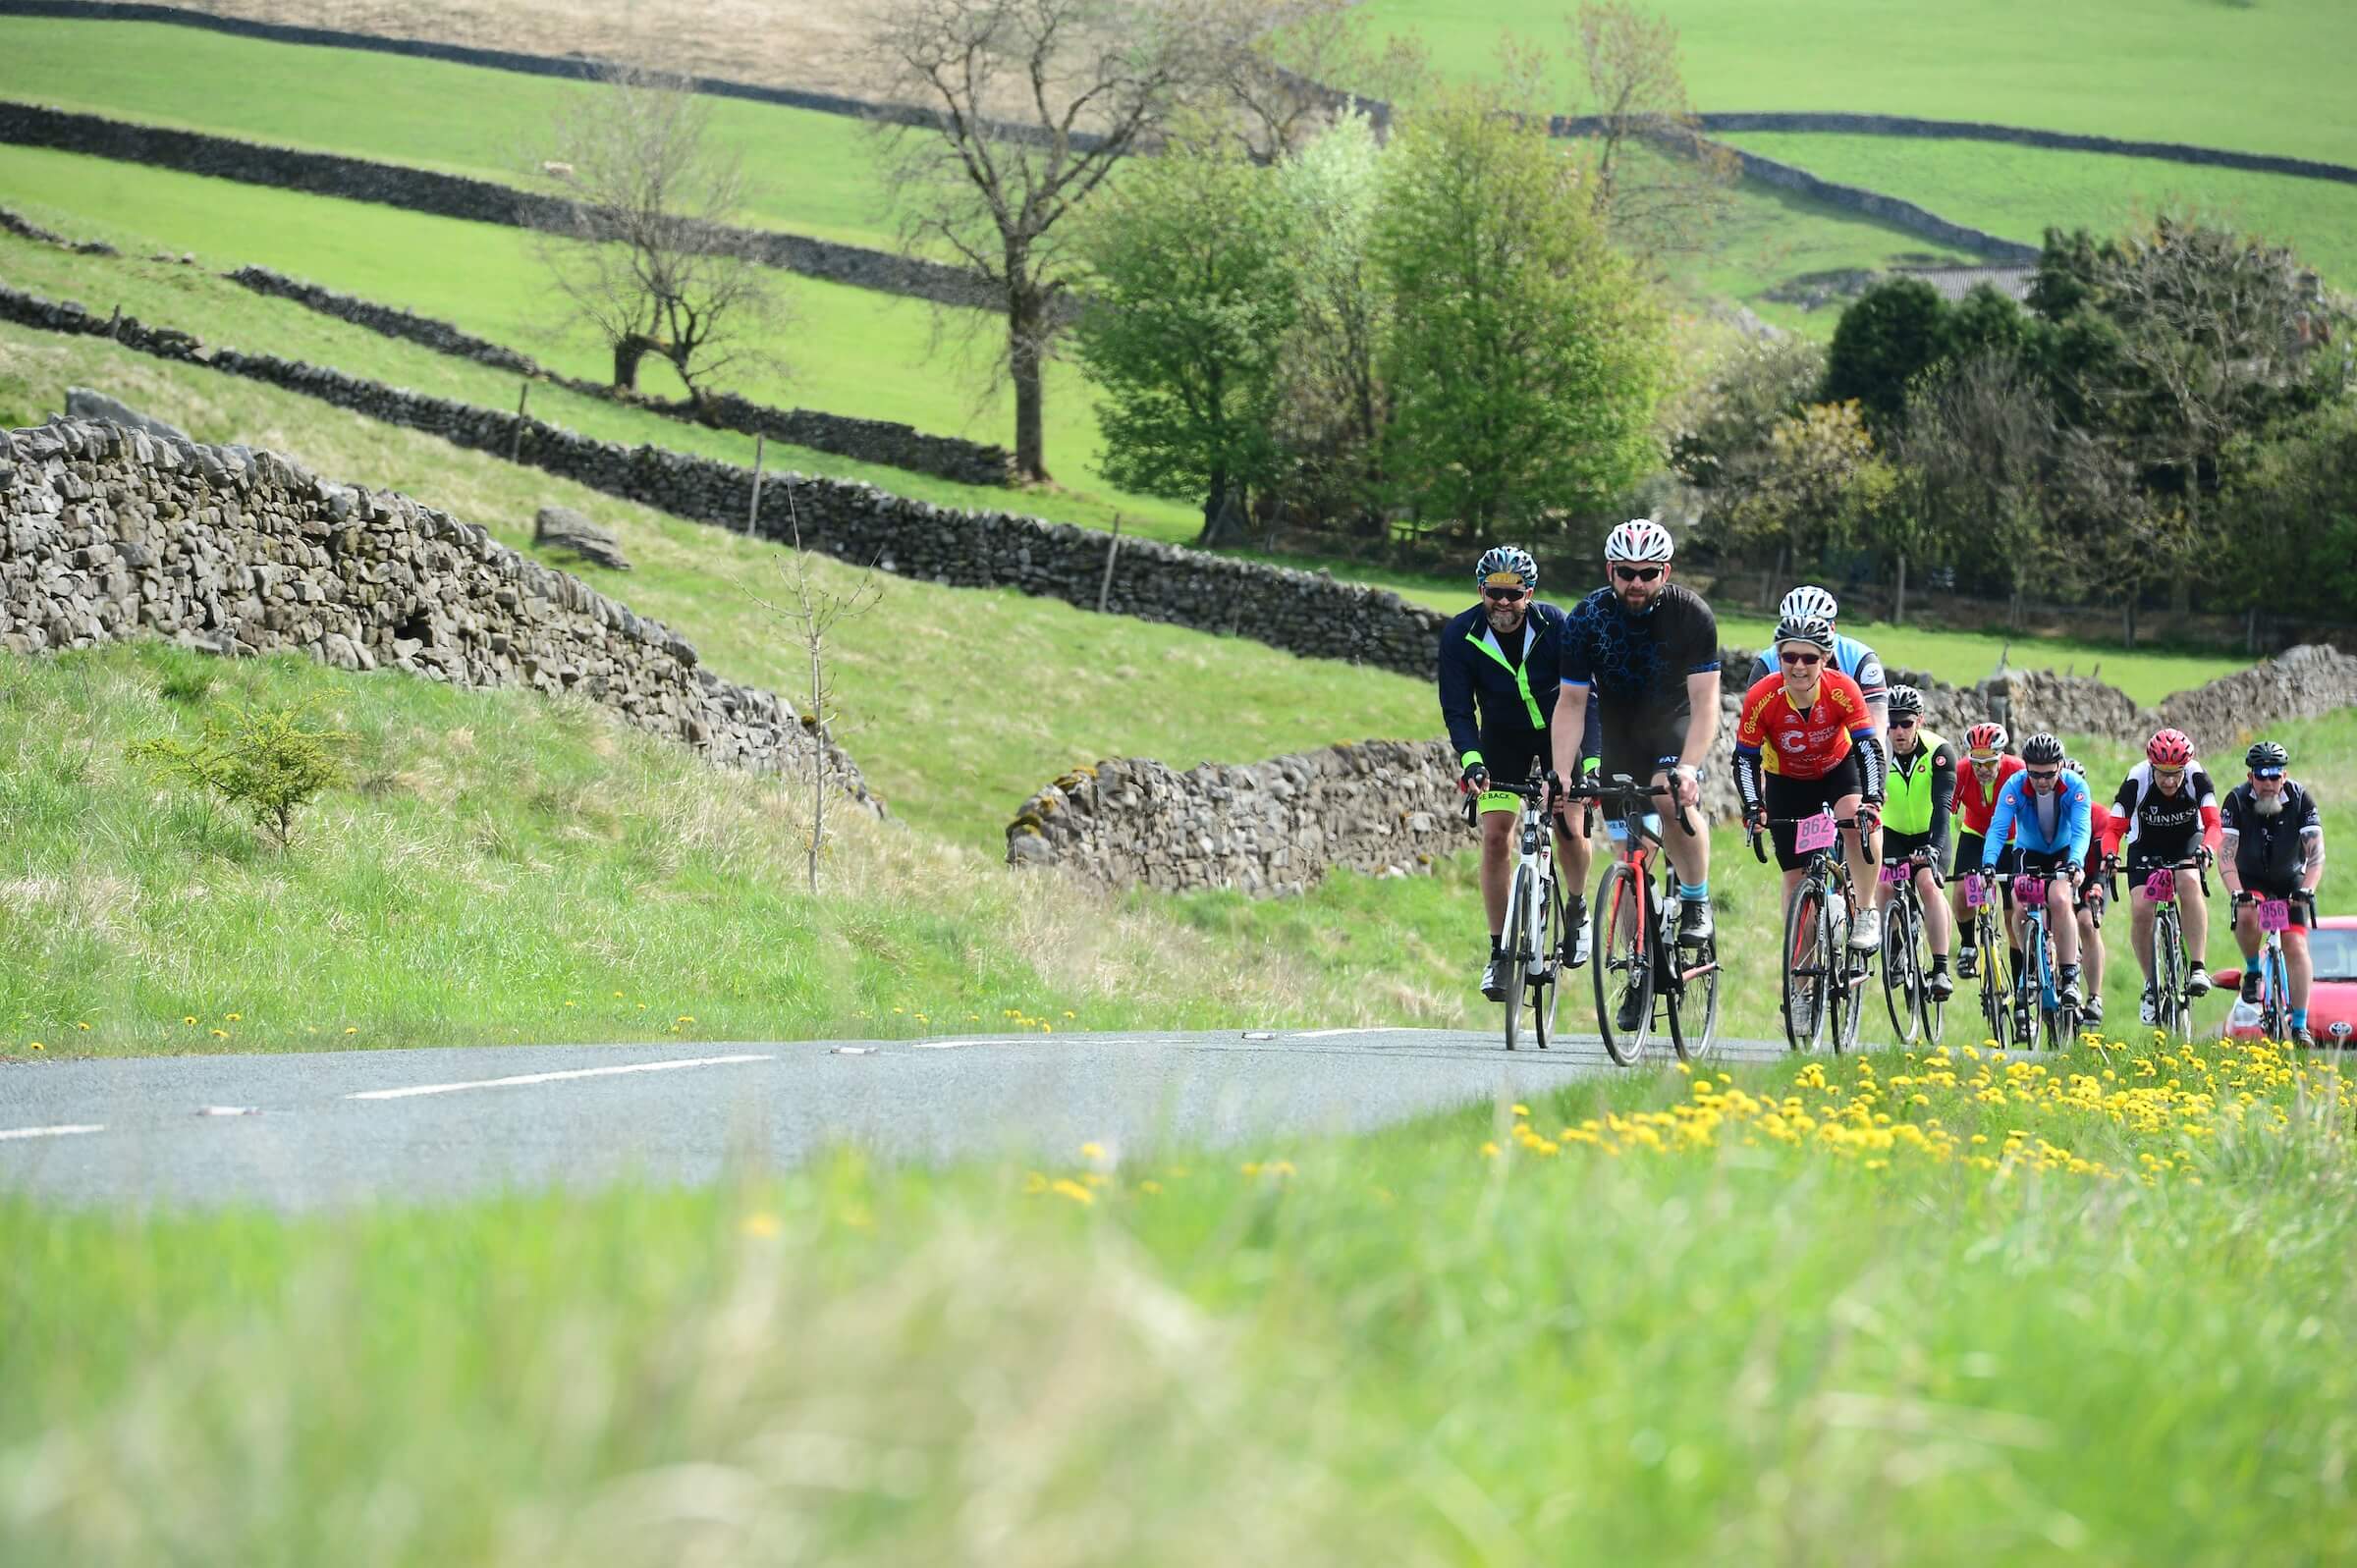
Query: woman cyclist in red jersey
x: 1828, y: 753
x: 1988, y: 763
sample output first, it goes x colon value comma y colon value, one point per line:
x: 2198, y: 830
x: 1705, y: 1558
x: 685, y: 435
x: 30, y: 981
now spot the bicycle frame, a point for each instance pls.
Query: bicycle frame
x: 1533, y: 965
x: 2168, y: 978
x: 1637, y: 942
x: 1825, y: 871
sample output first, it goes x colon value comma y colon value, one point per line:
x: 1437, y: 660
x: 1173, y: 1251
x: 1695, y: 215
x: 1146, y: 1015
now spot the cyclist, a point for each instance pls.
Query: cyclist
x: 2041, y: 828
x: 1827, y: 754
x: 1641, y: 657
x: 1501, y: 669
x: 2103, y: 844
x: 1921, y: 788
x: 1988, y: 763
x: 1850, y: 656
x: 2169, y: 809
x: 2273, y: 848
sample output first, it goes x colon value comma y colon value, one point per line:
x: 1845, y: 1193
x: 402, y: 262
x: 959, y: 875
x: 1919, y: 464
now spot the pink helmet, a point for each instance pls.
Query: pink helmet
x: 2170, y: 748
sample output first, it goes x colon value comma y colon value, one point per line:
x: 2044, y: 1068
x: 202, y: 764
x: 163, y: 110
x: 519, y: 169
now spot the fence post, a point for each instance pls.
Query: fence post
x: 752, y: 512
x: 523, y: 397
x: 1112, y: 548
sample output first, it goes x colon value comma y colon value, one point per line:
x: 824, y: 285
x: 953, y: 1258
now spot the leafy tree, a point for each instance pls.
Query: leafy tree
x: 1889, y: 336
x: 1659, y: 184
x: 1816, y: 482
x: 1975, y: 455
x: 1335, y: 407
x: 1719, y: 426
x: 1188, y: 299
x: 1526, y: 359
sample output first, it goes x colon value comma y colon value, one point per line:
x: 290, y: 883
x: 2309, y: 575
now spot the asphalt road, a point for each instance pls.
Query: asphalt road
x: 315, y: 1131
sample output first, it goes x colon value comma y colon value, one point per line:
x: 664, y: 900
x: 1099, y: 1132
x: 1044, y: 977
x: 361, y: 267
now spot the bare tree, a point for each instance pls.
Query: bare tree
x: 1659, y: 183
x: 1288, y: 69
x: 1087, y: 82
x: 640, y: 255
x: 812, y: 613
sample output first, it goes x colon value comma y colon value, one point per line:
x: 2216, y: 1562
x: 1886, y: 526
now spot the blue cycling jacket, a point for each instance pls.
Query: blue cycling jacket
x: 2018, y: 819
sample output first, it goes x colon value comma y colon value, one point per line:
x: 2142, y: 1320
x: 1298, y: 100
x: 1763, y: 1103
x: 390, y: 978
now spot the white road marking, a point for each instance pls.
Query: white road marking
x: 52, y: 1132
x: 1326, y: 1034
x: 551, y: 1077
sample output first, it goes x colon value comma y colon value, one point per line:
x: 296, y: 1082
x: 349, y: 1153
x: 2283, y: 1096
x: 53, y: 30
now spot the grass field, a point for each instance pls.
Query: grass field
x: 2017, y: 192
x: 503, y: 868
x: 1940, y: 1311
x: 2267, y: 77
x: 822, y: 174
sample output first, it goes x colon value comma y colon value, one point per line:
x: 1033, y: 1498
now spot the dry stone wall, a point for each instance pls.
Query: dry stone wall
x: 1303, y: 613
x: 113, y: 533
x: 881, y: 441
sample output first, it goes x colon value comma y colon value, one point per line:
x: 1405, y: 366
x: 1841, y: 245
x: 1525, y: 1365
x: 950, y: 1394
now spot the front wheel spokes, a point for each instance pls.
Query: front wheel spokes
x: 1807, y: 979
x: 1899, y: 983
x: 1618, y: 963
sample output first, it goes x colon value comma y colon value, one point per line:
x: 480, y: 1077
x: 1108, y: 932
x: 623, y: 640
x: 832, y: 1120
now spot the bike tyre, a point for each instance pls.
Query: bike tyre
x: 1902, y: 986
x: 1619, y: 894
x: 1808, y: 935
x: 1518, y: 963
x: 1694, y: 1004
x: 1549, y: 1003
x: 2173, y: 1012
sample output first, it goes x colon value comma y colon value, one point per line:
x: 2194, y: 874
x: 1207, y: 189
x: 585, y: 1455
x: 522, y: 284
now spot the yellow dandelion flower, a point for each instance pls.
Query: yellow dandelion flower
x: 1489, y: 1150
x: 1068, y: 1012
x: 1069, y: 1188
x: 1521, y: 1110
x: 84, y: 1027
x: 190, y: 1019
x: 685, y: 1017
x: 1092, y: 1151
x: 220, y: 1034
x: 1149, y: 1186
x: 760, y: 1225
x: 37, y: 1046
x: 354, y: 1030
x: 236, y: 1017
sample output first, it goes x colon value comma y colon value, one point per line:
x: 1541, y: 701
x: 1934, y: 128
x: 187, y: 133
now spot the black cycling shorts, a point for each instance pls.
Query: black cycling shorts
x: 2144, y: 857
x: 2301, y: 915
x: 1801, y: 798
x: 2022, y: 862
x: 1643, y: 746
x: 1897, y: 847
x: 1509, y: 753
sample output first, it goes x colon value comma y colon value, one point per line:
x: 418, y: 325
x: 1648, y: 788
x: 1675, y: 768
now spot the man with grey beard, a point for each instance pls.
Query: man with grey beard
x: 2273, y: 848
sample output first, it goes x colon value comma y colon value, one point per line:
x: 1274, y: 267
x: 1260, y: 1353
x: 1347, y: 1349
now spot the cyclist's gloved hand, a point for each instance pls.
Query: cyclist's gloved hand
x: 1475, y: 779
x: 1756, y: 820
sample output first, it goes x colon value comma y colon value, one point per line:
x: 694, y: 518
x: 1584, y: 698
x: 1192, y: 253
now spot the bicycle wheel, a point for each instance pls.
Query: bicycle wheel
x: 1849, y: 994
x: 1559, y: 932
x: 1902, y: 983
x: 1516, y: 962
x: 1547, y: 979
x: 1620, y: 959
x: 1694, y: 998
x: 2275, y: 1019
x: 1933, y: 1010
x: 2173, y: 1013
x: 1996, y: 987
x: 1808, y: 965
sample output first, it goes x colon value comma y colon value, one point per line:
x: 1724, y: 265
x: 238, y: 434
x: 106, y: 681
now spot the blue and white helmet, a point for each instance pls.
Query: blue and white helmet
x: 1808, y: 601
x: 1502, y: 566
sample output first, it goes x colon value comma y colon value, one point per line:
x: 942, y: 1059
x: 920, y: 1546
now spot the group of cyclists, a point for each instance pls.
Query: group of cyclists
x: 1626, y: 682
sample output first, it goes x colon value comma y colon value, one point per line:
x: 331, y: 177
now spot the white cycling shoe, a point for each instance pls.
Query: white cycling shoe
x: 1866, y: 930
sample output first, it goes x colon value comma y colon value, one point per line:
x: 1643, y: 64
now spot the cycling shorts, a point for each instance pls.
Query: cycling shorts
x: 2022, y: 862
x: 2147, y: 855
x: 1790, y: 798
x: 2301, y: 915
x: 1897, y: 847
x: 1642, y: 745
x: 1509, y: 755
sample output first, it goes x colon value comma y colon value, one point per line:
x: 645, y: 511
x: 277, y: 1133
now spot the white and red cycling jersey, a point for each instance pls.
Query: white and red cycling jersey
x: 1977, y: 789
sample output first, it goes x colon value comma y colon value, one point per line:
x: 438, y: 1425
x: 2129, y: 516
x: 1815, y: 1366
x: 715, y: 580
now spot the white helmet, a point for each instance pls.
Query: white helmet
x: 1638, y: 539
x: 1808, y: 601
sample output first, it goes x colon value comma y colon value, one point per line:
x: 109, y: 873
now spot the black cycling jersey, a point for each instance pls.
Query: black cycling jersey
x: 1480, y: 693
x: 2163, y: 828
x: 2271, y: 852
x: 1638, y: 665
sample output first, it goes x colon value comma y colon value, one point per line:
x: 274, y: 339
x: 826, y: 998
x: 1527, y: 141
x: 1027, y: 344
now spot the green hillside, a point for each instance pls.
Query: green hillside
x: 2264, y: 78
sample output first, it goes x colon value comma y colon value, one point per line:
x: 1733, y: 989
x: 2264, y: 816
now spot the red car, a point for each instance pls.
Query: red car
x: 2331, y: 999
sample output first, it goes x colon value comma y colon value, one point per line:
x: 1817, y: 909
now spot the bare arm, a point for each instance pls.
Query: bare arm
x: 1702, y: 727
x: 1569, y: 725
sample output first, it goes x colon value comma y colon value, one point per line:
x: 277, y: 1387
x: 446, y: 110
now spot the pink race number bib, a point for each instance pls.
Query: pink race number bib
x: 2029, y: 890
x: 2160, y: 887
x: 1976, y: 890
x: 1816, y: 833
x: 2275, y: 914
x: 1892, y: 874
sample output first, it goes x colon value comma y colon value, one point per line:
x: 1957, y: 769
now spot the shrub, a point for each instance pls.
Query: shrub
x: 266, y: 762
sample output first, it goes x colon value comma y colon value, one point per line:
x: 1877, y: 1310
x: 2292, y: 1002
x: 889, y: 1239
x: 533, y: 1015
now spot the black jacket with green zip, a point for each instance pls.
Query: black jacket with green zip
x: 1478, y: 671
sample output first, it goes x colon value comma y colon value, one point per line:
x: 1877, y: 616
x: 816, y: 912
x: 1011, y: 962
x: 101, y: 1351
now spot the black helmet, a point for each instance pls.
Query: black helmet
x: 1905, y: 699
x: 2266, y: 754
x: 2042, y: 750
x: 1501, y: 564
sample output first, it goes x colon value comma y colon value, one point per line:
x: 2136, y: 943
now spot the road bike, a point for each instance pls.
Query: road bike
x: 1824, y: 976
x: 2275, y: 974
x: 1635, y: 951
x: 1983, y: 896
x: 2036, y: 989
x: 2172, y: 1007
x: 1534, y: 946
x: 1915, y: 1014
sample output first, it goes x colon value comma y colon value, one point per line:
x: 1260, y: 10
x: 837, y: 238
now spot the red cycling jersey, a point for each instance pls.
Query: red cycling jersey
x: 1807, y: 745
x: 1976, y: 796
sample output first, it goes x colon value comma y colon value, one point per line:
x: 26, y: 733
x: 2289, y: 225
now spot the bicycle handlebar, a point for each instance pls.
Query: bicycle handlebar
x: 1628, y: 794
x: 1847, y: 823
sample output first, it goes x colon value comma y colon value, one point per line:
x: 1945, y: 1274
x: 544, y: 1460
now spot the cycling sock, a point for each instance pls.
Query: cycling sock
x: 2299, y: 1017
x: 2016, y: 952
x: 1694, y: 891
x: 1939, y: 963
x: 1496, y: 944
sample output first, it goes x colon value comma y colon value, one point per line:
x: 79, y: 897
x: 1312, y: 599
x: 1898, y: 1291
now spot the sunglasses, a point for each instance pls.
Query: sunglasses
x: 1805, y: 659
x: 2043, y: 775
x: 1636, y: 574
x: 2266, y: 773
x: 2169, y: 773
x: 1897, y: 722
x: 1984, y: 759
x: 1505, y: 596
